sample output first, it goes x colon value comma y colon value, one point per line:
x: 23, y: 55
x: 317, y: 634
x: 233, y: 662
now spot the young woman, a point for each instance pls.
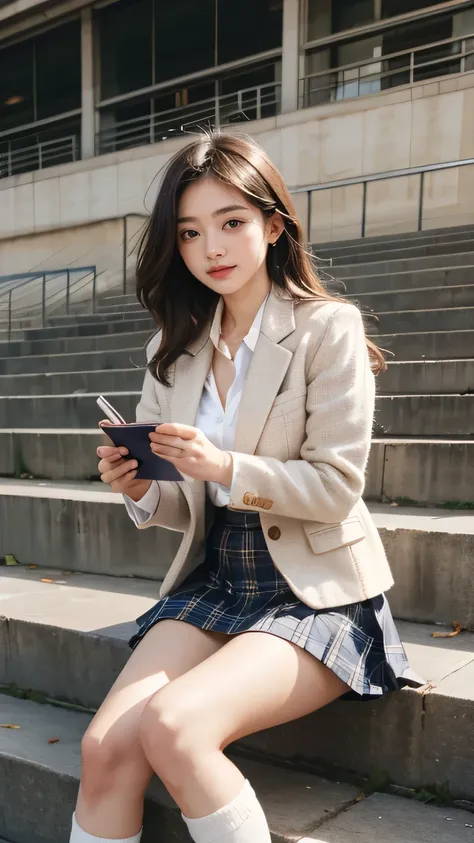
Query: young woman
x: 262, y: 387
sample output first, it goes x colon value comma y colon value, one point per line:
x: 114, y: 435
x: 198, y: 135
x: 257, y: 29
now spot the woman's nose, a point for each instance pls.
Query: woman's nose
x: 215, y: 252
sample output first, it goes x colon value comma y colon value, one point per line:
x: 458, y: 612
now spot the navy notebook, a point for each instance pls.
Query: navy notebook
x: 136, y: 438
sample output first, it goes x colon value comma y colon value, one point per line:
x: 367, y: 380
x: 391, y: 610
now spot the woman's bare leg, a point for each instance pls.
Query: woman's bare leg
x: 255, y: 681
x: 115, y: 771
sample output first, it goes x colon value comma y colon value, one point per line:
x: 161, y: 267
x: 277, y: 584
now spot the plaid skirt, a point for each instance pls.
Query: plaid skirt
x: 238, y: 589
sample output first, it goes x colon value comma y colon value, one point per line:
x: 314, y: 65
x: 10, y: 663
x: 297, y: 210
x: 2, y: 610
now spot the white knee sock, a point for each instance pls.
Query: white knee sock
x: 78, y: 835
x: 241, y: 821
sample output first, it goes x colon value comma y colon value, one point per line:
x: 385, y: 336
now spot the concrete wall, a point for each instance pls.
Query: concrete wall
x: 424, y: 124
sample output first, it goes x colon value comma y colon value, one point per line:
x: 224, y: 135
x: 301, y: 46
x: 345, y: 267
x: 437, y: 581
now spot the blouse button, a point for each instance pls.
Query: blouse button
x: 274, y: 533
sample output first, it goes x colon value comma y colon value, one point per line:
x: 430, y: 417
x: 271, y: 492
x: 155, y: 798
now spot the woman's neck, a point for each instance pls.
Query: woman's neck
x: 241, y: 308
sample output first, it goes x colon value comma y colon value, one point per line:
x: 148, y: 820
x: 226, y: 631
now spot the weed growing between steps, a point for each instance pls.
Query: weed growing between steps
x: 42, y: 698
x: 452, y: 505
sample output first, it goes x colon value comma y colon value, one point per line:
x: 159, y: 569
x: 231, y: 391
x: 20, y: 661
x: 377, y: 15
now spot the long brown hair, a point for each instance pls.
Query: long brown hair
x: 182, y: 305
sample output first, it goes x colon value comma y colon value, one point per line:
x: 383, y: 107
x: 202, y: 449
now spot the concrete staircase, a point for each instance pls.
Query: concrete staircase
x: 63, y: 641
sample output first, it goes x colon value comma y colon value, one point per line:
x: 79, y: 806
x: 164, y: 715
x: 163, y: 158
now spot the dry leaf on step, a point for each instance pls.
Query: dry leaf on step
x: 456, y: 631
x: 53, y: 740
x: 8, y: 726
x: 10, y: 559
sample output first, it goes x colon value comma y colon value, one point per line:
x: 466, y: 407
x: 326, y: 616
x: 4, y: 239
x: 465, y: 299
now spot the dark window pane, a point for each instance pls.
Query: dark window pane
x: 58, y: 70
x: 125, y: 47
x: 390, y: 8
x: 48, y: 146
x: 248, y: 27
x: 347, y: 14
x: 184, y: 37
x: 16, y: 86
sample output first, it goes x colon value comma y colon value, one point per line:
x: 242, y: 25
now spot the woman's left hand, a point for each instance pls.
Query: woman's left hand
x: 192, y: 453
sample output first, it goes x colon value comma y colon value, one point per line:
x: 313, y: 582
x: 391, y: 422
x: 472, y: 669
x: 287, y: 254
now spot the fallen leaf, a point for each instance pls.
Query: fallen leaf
x: 8, y: 726
x: 456, y: 631
x: 32, y: 566
x: 360, y: 797
x: 10, y: 559
x: 53, y: 740
x: 45, y: 579
x: 394, y: 503
x: 66, y: 573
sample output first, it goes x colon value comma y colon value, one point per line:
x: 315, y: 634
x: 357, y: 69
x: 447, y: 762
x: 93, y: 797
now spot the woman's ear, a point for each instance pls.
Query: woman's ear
x: 276, y: 226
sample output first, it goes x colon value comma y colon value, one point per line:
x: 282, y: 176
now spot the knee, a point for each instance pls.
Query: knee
x: 169, y: 730
x: 108, y: 760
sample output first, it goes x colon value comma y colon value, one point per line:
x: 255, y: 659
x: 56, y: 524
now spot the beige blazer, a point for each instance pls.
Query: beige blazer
x: 302, y: 443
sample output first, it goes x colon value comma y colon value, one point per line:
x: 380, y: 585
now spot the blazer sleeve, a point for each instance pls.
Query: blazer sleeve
x: 172, y: 510
x: 328, y: 480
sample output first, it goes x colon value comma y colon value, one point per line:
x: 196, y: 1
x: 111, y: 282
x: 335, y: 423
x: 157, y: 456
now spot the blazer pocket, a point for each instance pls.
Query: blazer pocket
x: 286, y: 401
x: 323, y: 537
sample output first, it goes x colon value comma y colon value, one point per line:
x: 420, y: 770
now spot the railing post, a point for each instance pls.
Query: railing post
x: 9, y: 164
x: 412, y: 68
x: 43, y: 302
x: 94, y: 289
x: 462, y: 66
x: 9, y: 314
x: 68, y: 290
x: 364, y: 210
x: 421, y: 202
x: 124, y: 256
x: 40, y: 156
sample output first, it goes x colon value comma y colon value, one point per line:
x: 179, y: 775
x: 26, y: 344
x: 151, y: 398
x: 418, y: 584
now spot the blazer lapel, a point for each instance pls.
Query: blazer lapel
x: 269, y: 366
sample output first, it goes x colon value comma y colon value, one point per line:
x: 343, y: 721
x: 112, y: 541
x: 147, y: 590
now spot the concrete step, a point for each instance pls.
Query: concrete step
x: 57, y: 383
x: 400, y: 251
x: 66, y: 345
x: 90, y: 329
x: 59, y: 363
x: 125, y: 298
x: 425, y: 471
x: 77, y: 410
x: 378, y: 283
x: 35, y: 774
x: 442, y: 416
x: 435, y: 235
x: 123, y: 307
x: 426, y: 377
x: 431, y: 552
x: 407, y: 265
x: 417, y: 471
x: 438, y: 415
x: 101, y: 316
x: 435, y: 297
x: 429, y: 345
x: 55, y: 634
x: 409, y: 321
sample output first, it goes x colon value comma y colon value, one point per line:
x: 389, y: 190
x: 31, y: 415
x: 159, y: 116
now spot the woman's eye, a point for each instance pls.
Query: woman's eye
x: 233, y: 223
x: 190, y: 234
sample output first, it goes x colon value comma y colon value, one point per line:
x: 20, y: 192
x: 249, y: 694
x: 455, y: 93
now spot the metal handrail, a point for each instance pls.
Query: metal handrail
x: 215, y: 110
x: 25, y: 279
x: 383, y: 176
x: 411, y: 67
x: 37, y: 155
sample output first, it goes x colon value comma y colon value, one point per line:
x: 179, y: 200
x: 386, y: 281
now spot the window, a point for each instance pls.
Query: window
x: 126, y: 47
x: 58, y: 70
x: 390, y: 8
x: 184, y: 37
x: 17, y: 105
x: 346, y: 14
x: 247, y: 27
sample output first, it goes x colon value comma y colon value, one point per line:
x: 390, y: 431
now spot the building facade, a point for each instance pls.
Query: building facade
x: 95, y: 97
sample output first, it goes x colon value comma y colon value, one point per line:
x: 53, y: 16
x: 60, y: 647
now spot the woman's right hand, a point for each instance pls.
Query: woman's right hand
x: 119, y: 473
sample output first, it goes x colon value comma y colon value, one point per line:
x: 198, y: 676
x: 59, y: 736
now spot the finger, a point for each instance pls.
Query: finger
x: 108, y: 453
x: 184, y: 431
x: 122, y: 485
x: 111, y: 476
x: 164, y: 450
x: 169, y: 441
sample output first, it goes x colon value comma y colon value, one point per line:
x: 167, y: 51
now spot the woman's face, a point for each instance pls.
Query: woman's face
x: 222, y: 238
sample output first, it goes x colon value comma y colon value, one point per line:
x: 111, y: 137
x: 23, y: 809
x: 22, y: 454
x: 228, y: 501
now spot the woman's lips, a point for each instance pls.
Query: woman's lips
x: 221, y: 271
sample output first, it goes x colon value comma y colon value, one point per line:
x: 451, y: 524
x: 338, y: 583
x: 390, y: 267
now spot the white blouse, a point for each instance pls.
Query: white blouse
x: 216, y: 422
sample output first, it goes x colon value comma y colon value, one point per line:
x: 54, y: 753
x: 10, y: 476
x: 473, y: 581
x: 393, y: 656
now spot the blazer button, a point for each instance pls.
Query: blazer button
x: 274, y: 533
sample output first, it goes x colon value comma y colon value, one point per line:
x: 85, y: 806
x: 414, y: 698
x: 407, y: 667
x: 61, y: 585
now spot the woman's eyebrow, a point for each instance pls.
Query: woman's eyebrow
x: 218, y: 213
